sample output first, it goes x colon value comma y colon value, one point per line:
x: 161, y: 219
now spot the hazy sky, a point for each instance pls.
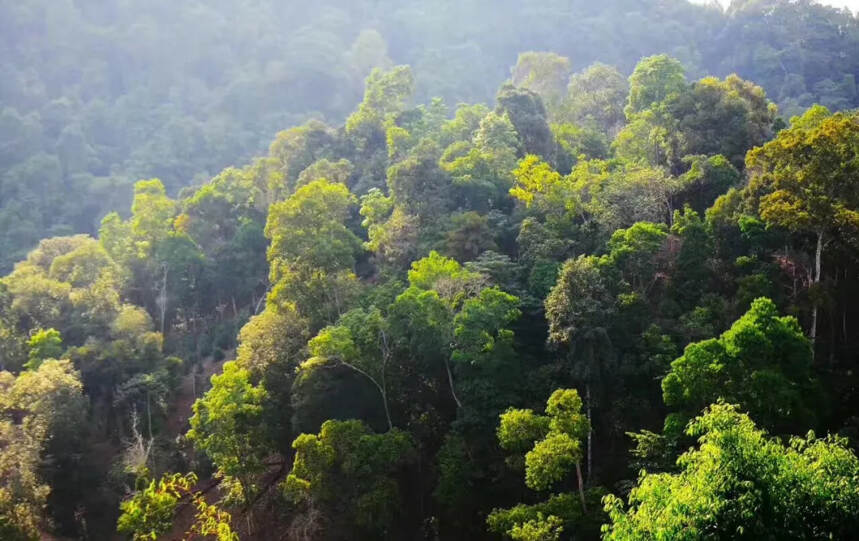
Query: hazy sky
x: 852, y: 4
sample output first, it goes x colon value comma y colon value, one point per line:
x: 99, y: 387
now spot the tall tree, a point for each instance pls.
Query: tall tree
x: 741, y: 484
x: 551, y: 445
x: 804, y: 181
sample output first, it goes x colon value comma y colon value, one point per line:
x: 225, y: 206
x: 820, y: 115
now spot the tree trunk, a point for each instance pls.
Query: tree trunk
x: 162, y: 298
x: 450, y: 381
x: 590, y: 430
x: 581, y: 487
x: 149, y: 415
x: 387, y: 411
x: 817, y: 272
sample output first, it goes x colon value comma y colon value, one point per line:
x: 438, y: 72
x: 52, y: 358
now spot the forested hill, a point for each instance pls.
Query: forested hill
x: 98, y: 94
x: 589, y: 300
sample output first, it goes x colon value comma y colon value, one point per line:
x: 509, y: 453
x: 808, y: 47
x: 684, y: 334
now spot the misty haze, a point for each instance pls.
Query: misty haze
x: 280, y: 270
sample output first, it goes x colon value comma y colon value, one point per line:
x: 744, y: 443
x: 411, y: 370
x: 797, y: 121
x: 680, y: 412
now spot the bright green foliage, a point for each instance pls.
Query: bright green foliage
x: 350, y: 474
x: 481, y: 167
x: 385, y: 93
x: 740, y: 484
x: 99, y: 94
x: 152, y: 215
x: 375, y: 208
x: 444, y: 275
x: 540, y: 529
x: 553, y: 440
x: 597, y: 196
x: 312, y: 252
x: 655, y: 78
x: 149, y: 513
x: 544, y: 521
x: 45, y: 344
x: 551, y: 460
x: 634, y: 252
x: 480, y: 327
x: 552, y: 448
x: 307, y: 229
x: 226, y: 425
x: 536, y: 181
x: 763, y: 363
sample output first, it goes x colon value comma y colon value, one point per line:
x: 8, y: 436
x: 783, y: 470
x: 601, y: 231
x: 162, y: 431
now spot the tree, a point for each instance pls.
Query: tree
x: 41, y: 415
x: 726, y: 117
x: 351, y: 475
x: 741, y: 484
x: 527, y: 113
x: 579, y: 309
x: 150, y: 512
x: 452, y: 281
x: 762, y: 363
x: 226, y: 426
x: 481, y: 166
x: 544, y: 73
x: 486, y: 367
x: 551, y: 445
x: 803, y: 181
x: 298, y: 148
x: 422, y: 327
x: 359, y: 341
x: 385, y: 93
x: 596, y: 98
x: 152, y: 215
x: 44, y: 344
x: 706, y: 179
x: 654, y: 79
x: 469, y: 236
x: 419, y: 185
x: 312, y: 252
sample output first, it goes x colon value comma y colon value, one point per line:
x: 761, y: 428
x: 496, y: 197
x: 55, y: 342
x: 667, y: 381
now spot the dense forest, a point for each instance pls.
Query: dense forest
x: 537, y: 271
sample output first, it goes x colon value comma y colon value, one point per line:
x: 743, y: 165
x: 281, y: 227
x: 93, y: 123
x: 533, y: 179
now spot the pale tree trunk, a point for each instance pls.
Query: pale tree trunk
x: 387, y: 411
x: 450, y: 381
x: 162, y: 300
x: 590, y: 430
x: 581, y: 487
x: 149, y: 414
x: 817, y: 272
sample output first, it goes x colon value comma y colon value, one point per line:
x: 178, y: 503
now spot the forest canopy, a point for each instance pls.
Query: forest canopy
x: 536, y: 271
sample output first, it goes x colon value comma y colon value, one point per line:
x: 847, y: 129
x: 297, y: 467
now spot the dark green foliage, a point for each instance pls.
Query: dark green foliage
x: 400, y: 272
